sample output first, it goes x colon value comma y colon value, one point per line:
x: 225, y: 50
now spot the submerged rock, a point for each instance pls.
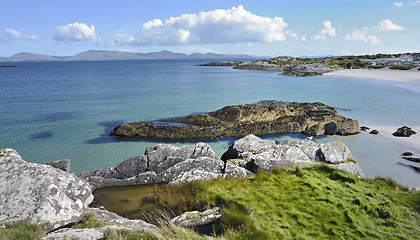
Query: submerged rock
x: 262, y: 118
x: 39, y: 193
x: 60, y: 164
x: 266, y: 155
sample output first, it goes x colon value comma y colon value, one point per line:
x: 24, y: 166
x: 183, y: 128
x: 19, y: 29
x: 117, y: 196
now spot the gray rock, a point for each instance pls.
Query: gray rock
x: 236, y: 172
x: 194, y: 175
x: 404, y: 132
x: 39, y: 193
x: 163, y: 156
x: 334, y: 152
x: 196, y: 218
x: 119, y: 222
x: 61, y: 164
x: 208, y: 164
x: 265, y: 155
x: 75, y: 234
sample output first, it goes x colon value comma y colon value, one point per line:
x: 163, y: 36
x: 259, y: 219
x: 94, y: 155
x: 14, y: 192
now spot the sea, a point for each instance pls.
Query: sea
x: 66, y: 109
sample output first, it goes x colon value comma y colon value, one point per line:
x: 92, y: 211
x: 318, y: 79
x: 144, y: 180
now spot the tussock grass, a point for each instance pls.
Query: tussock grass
x: 90, y: 220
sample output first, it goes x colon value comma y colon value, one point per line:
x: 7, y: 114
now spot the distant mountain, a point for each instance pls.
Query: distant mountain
x: 98, y: 55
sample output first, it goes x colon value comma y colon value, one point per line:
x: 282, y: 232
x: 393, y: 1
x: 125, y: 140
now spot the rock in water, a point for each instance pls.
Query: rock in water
x: 262, y: 118
x: 61, y: 164
x: 39, y: 193
x: 404, y: 132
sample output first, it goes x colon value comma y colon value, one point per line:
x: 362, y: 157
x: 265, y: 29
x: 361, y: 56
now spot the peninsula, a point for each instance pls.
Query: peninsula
x: 261, y: 118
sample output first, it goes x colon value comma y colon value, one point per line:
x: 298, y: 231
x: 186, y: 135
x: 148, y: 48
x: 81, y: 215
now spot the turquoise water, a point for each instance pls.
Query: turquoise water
x: 58, y: 110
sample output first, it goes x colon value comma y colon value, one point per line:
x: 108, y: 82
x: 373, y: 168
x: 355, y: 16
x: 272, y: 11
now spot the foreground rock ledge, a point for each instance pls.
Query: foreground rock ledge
x: 40, y: 194
x: 261, y: 118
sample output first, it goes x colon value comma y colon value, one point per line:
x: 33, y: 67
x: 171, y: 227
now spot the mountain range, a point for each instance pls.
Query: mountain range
x: 98, y: 55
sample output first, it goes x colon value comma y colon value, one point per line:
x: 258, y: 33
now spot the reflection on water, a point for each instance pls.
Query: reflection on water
x: 133, y: 202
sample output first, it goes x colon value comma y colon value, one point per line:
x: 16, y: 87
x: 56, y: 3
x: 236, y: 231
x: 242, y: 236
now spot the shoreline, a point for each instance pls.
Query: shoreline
x: 405, y: 76
x: 411, y: 143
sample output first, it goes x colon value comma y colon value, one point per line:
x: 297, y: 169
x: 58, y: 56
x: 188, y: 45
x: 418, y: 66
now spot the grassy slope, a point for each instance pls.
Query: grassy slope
x: 309, y: 203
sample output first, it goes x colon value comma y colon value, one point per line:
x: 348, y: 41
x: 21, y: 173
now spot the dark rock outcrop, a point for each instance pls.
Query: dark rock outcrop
x: 305, y: 70
x: 39, y: 193
x: 261, y: 118
x: 259, y: 65
x: 364, y: 128
x: 404, y: 132
x: 374, y: 132
x: 256, y: 154
x: 222, y: 63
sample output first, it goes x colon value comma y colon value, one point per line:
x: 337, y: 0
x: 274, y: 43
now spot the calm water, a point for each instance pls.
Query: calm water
x: 58, y: 110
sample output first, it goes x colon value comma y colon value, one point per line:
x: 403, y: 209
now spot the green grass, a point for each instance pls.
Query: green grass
x: 22, y: 231
x: 403, y: 67
x: 316, y: 202
x: 90, y: 220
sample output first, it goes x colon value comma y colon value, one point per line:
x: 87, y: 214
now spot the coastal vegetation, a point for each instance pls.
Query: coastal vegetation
x: 403, y: 67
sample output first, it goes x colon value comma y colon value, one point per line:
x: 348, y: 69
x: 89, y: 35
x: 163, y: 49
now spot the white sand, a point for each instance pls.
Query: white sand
x: 412, y: 142
x: 379, y: 74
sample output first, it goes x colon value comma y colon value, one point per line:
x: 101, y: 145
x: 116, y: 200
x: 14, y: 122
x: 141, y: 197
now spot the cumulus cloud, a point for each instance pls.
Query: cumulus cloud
x: 14, y: 34
x: 387, y: 25
x: 328, y: 30
x: 362, y: 36
x: 74, y: 32
x: 398, y: 4
x: 235, y: 25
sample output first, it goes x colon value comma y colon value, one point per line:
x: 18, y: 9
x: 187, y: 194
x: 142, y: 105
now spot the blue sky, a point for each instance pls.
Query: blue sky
x: 273, y: 28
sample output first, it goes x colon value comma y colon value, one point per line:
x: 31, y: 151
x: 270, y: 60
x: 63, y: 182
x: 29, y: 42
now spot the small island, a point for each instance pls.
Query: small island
x: 261, y: 118
x: 7, y: 66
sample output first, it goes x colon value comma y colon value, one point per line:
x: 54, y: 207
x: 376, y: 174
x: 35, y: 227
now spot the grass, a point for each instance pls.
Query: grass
x: 90, y: 220
x: 316, y: 202
x: 22, y: 231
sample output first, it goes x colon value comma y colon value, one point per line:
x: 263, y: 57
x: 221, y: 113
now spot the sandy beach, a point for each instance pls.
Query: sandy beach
x: 379, y: 74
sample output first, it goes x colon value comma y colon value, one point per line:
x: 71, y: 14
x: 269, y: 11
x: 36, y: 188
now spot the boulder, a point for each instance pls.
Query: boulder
x: 292, y: 153
x: 374, y: 132
x: 61, y: 164
x: 73, y: 233
x: 194, y: 175
x: 404, y: 132
x: 39, y: 193
x: 196, y: 218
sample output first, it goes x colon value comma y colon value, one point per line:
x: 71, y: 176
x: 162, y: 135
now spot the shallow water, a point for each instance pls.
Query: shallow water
x: 59, y: 110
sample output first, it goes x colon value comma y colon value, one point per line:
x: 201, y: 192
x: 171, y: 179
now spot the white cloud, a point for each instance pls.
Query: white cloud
x: 387, y: 25
x: 235, y: 25
x: 362, y: 36
x: 328, y: 30
x: 74, y: 32
x: 14, y: 34
x: 398, y: 4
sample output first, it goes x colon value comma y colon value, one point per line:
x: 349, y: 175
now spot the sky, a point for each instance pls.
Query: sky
x: 259, y: 28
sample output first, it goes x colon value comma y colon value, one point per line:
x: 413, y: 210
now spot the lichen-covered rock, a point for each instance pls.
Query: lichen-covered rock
x: 262, y: 118
x: 292, y: 153
x: 61, y: 164
x: 196, y: 218
x: 39, y: 193
x: 194, y: 175
x: 76, y: 234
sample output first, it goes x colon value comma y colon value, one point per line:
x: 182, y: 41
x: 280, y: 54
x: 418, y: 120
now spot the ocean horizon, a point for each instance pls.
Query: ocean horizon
x: 65, y: 110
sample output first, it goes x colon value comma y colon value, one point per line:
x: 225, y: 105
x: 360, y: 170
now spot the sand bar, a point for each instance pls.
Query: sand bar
x: 379, y: 74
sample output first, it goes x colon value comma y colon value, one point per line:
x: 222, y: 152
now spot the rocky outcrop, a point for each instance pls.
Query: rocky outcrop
x: 259, y: 65
x: 39, y: 193
x: 257, y: 154
x: 162, y: 163
x: 305, y: 70
x: 261, y: 118
x: 222, y: 63
x: 196, y: 218
x: 404, y: 132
